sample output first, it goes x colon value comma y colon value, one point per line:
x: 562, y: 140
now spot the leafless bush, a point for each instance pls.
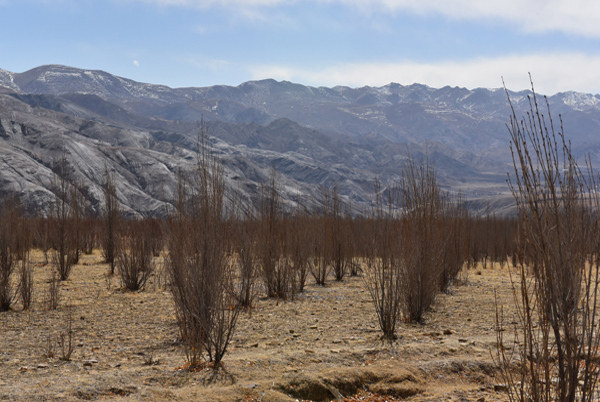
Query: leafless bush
x: 299, y: 249
x: 7, y: 261
x: 64, y: 244
x: 247, y: 264
x: 320, y: 261
x: 455, y: 241
x: 337, y: 235
x: 26, y: 283
x: 423, y: 238
x: 384, y: 267
x: 111, y: 220
x: 65, y: 340
x: 275, y: 268
x: 556, y: 296
x: 134, y: 262
x: 49, y: 352
x: 155, y: 237
x: 89, y: 234
x: 202, y: 277
x: 42, y: 236
x: 53, y: 294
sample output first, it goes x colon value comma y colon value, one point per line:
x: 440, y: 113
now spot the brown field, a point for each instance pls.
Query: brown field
x: 322, y: 345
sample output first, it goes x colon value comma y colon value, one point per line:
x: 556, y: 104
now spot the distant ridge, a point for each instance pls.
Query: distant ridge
x: 314, y: 136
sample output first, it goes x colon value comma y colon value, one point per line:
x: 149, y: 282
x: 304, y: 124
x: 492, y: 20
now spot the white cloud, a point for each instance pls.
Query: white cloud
x: 551, y: 73
x: 136, y: 63
x: 210, y: 3
x: 574, y: 16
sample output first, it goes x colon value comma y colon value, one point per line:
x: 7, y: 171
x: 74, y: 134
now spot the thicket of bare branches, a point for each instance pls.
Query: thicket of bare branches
x: 298, y: 249
x: 556, y: 283
x: 275, y: 270
x: 414, y: 248
x: 134, y: 262
x: 245, y: 247
x: 7, y: 257
x: 26, y: 282
x: 423, y: 238
x: 383, y: 274
x: 202, y: 275
x: 64, y: 244
x: 110, y: 221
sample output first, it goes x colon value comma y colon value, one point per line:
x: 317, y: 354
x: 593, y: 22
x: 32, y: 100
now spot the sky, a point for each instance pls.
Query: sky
x: 195, y: 43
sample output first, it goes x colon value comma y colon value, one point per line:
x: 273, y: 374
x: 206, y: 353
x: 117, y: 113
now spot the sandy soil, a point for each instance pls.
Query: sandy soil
x: 321, y: 346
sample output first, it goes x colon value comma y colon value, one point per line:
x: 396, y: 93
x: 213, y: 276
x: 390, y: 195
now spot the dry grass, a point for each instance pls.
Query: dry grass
x: 127, y: 344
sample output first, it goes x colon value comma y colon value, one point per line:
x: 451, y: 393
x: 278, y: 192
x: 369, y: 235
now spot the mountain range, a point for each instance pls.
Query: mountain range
x: 315, y: 138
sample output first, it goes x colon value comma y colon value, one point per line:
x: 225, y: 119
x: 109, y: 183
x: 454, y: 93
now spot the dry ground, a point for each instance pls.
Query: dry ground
x: 322, y: 345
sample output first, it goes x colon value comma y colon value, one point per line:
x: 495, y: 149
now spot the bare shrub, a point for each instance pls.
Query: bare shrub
x: 383, y: 273
x: 337, y: 235
x: 155, y: 236
x: 88, y: 234
x: 53, y: 294
x: 65, y: 340
x: 42, y: 236
x: 111, y: 219
x: 134, y: 262
x: 320, y: 262
x: 64, y: 244
x: 7, y: 261
x: 299, y: 249
x: 247, y: 264
x: 202, y: 277
x: 455, y: 241
x: 556, y: 296
x: 26, y: 283
x: 275, y: 269
x: 423, y: 238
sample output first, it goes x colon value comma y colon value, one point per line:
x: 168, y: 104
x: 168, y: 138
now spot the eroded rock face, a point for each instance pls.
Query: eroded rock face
x: 146, y: 164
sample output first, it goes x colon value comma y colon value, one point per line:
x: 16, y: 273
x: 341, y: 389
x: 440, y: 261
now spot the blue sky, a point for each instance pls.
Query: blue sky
x: 315, y: 42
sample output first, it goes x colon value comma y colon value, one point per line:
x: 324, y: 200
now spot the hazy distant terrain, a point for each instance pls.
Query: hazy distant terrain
x: 314, y: 137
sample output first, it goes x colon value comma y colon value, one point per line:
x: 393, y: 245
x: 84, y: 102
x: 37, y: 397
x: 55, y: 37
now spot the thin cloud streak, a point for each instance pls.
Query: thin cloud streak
x: 578, y: 17
x: 551, y: 73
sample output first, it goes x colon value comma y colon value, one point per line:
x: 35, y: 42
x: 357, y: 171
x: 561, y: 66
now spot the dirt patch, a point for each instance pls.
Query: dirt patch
x: 323, y: 345
x: 336, y: 384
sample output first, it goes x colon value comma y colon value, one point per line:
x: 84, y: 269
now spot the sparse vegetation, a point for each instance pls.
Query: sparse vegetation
x: 221, y: 256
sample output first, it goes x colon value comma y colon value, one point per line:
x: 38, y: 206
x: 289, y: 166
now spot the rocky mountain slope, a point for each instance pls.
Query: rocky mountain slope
x: 314, y: 137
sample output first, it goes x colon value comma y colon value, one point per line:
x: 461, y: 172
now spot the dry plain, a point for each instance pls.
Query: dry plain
x: 323, y: 345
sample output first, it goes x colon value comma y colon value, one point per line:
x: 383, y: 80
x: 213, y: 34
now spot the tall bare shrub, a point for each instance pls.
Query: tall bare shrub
x: 455, y: 236
x: 298, y: 235
x: 7, y: 260
x: 63, y: 241
x: 26, y: 282
x: 383, y: 274
x: 202, y: 276
x: 245, y: 247
x: 274, y: 268
x: 111, y: 218
x: 423, y: 238
x: 338, y: 236
x: 556, y: 295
